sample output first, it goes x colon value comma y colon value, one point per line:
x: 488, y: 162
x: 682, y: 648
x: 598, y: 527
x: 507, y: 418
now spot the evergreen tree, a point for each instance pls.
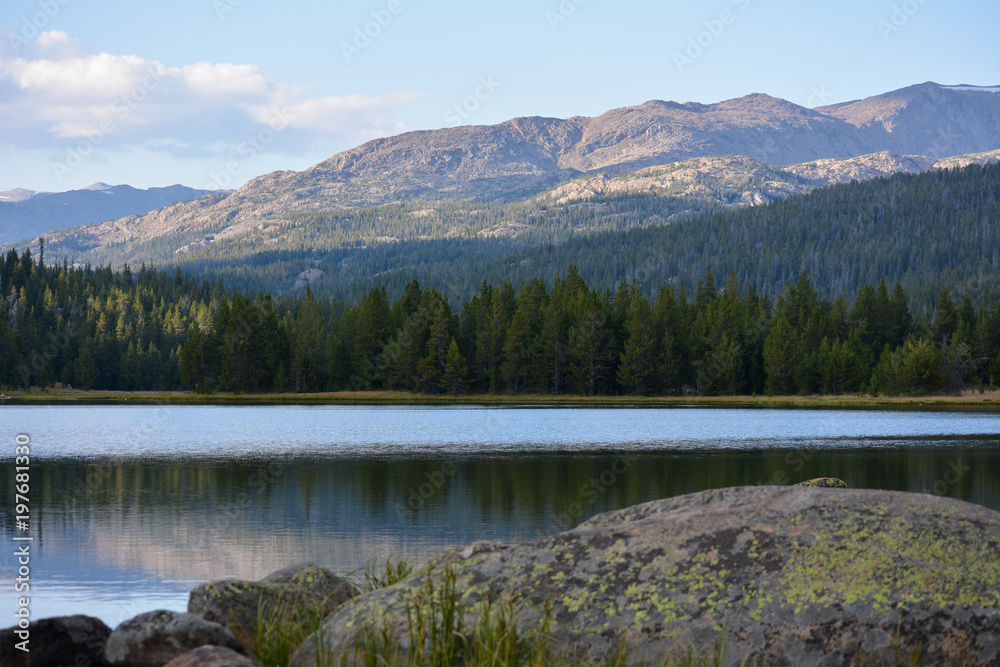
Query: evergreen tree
x: 516, y: 351
x: 780, y: 358
x: 670, y: 365
x: 455, y: 370
x: 589, y: 351
x: 431, y: 368
x: 192, y: 359
x: 490, y: 337
x: 640, y: 360
x: 310, y: 362
x: 553, y: 340
x: 944, y: 317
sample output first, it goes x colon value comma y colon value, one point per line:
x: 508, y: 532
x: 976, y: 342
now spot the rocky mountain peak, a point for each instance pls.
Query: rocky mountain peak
x: 911, y: 129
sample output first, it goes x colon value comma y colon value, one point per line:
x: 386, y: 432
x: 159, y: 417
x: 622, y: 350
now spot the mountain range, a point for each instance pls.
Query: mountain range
x: 528, y: 178
x: 27, y: 213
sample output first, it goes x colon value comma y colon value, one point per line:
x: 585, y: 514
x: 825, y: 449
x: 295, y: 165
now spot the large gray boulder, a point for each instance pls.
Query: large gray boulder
x: 155, y: 638
x: 293, y: 595
x: 212, y: 656
x: 796, y: 576
x: 56, y: 642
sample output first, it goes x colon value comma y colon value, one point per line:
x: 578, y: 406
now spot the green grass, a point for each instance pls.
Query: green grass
x: 375, y: 576
x: 277, y: 637
x: 988, y: 401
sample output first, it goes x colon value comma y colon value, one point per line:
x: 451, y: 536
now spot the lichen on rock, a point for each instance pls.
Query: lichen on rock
x: 825, y: 483
x: 781, y: 575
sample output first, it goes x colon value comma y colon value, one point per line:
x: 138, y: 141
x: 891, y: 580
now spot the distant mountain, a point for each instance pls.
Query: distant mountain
x: 19, y: 194
x: 28, y: 214
x: 926, y: 119
x: 461, y: 182
x: 525, y: 156
x: 532, y: 153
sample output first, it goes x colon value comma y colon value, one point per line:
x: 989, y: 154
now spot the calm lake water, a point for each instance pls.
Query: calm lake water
x: 133, y: 506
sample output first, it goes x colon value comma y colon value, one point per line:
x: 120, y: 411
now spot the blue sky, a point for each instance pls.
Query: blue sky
x: 210, y: 93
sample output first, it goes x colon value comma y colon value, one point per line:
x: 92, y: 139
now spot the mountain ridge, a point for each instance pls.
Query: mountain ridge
x: 523, y: 158
x: 26, y: 213
x: 534, y: 152
x: 950, y: 120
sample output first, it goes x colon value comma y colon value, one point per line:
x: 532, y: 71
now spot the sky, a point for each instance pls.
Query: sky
x: 211, y: 93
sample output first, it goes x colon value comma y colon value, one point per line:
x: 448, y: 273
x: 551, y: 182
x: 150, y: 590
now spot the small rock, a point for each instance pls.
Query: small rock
x: 54, y: 642
x: 294, y: 595
x: 825, y: 483
x: 157, y: 637
x: 212, y: 656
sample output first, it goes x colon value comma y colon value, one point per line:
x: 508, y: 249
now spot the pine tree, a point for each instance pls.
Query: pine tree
x: 721, y: 372
x: 640, y: 360
x: 490, y: 337
x: 944, y: 317
x: 192, y: 358
x: 781, y: 358
x: 431, y: 368
x: 589, y: 349
x: 670, y: 365
x: 516, y: 351
x: 310, y: 361
x: 455, y: 370
x: 900, y: 316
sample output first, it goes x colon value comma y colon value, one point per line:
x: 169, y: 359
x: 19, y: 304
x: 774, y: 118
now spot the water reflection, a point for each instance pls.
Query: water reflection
x: 140, y: 532
x: 133, y: 507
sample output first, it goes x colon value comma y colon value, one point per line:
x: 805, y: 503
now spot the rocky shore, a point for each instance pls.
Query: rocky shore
x: 798, y: 576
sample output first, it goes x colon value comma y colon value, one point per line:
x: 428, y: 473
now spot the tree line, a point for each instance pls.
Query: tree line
x: 94, y: 328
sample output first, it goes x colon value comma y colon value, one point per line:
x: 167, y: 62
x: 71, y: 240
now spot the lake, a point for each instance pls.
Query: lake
x: 132, y: 506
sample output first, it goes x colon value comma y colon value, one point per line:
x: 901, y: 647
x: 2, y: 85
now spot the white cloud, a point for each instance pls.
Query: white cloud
x: 55, y: 95
x: 225, y: 80
x: 57, y: 44
x: 102, y: 76
x: 338, y: 115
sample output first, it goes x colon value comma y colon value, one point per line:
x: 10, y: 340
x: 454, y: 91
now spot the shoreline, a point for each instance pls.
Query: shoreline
x: 970, y: 400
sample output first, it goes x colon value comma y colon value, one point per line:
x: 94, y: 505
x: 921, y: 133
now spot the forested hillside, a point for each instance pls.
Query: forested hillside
x: 923, y: 230
x: 94, y: 328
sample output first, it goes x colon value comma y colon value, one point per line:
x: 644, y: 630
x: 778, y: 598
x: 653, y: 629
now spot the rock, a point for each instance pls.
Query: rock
x: 777, y: 575
x: 212, y: 656
x: 825, y: 483
x: 55, y: 642
x: 157, y: 637
x: 292, y: 595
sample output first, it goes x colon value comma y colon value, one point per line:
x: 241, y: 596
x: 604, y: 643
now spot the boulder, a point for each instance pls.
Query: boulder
x: 825, y: 483
x: 155, y: 638
x: 212, y: 656
x: 782, y: 576
x: 295, y: 594
x: 55, y: 642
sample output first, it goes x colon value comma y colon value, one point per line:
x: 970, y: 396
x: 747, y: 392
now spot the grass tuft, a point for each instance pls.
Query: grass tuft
x: 440, y: 633
x: 375, y: 576
x: 276, y: 637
